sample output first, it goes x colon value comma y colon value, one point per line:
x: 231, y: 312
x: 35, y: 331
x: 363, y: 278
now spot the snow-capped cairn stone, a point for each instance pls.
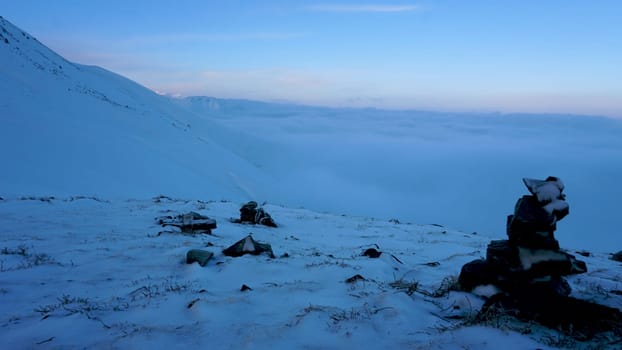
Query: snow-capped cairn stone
x: 531, y: 258
x: 549, y: 194
x: 251, y: 213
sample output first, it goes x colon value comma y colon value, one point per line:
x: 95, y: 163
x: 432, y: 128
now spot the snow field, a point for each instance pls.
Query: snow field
x: 111, y: 279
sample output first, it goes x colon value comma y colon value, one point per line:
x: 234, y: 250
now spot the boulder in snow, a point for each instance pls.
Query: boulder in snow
x: 251, y: 213
x: 476, y: 273
x: 190, y: 222
x: 355, y: 278
x: 248, y: 245
x: 198, y: 255
x: 617, y: 256
x: 248, y: 212
x: 372, y: 253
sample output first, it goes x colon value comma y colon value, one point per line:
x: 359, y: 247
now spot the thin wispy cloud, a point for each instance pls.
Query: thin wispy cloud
x: 211, y: 37
x: 363, y: 8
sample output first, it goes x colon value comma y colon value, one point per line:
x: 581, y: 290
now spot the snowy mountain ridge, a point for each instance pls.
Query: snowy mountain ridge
x: 86, y: 130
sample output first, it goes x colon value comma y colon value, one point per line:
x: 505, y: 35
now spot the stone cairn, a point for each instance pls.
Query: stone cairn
x: 529, y: 262
x: 251, y: 213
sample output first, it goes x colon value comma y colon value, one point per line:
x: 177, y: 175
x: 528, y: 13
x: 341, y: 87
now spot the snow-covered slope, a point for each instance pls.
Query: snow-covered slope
x: 68, y: 128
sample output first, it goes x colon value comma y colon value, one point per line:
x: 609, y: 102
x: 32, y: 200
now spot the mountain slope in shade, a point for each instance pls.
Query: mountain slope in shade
x: 69, y: 128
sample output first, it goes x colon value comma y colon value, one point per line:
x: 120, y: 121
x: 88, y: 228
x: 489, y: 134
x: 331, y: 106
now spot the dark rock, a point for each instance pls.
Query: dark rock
x: 189, y: 223
x: 578, y: 266
x: 559, y: 286
x: 263, y: 218
x: 584, y: 253
x: 617, y: 256
x: 476, y: 273
x: 501, y: 255
x: 577, y: 318
x: 396, y: 259
x: 432, y: 264
x: 505, y: 267
x: 162, y: 219
x: 248, y: 245
x: 355, y: 278
x: 372, y: 253
x: 521, y: 236
x: 544, y: 287
x: 191, y: 304
x: 540, y: 263
x: 250, y: 213
x: 529, y: 216
x: 200, y: 256
x: 245, y: 288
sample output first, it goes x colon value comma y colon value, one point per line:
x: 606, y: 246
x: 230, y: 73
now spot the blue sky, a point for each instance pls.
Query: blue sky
x: 508, y: 56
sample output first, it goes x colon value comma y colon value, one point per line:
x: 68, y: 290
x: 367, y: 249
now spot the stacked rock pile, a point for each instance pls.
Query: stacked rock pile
x: 189, y: 223
x: 530, y: 261
x: 251, y: 213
